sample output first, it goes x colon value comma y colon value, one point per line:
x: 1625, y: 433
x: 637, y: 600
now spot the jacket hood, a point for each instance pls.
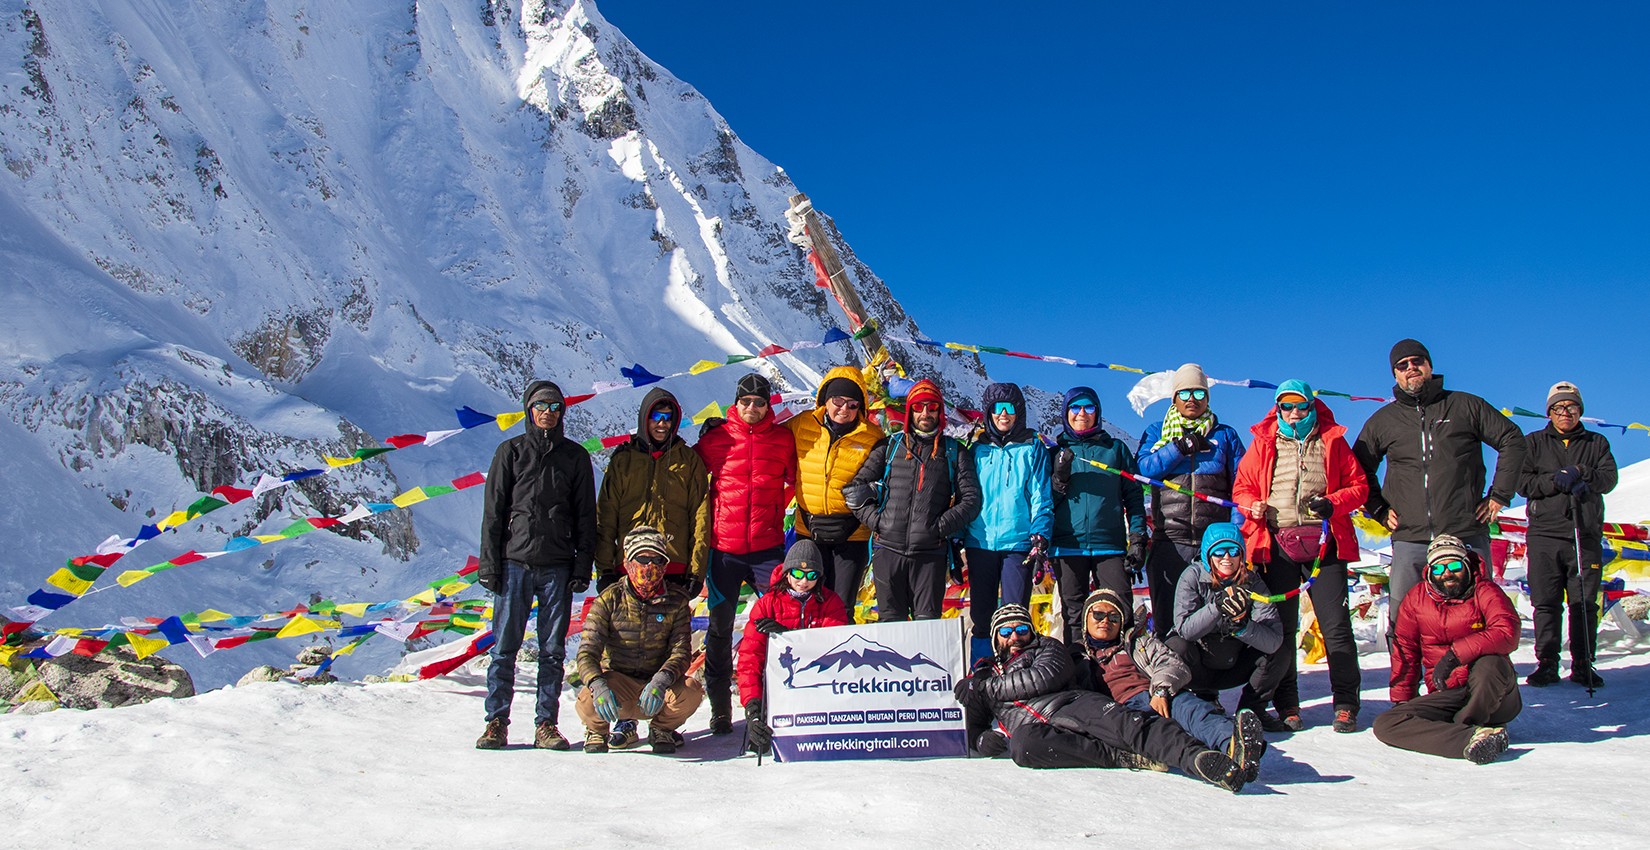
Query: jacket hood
x: 1010, y: 393
x: 552, y: 434
x: 1216, y: 534
x: 653, y: 398
x: 847, y: 373
x: 1328, y: 428
x: 1072, y: 395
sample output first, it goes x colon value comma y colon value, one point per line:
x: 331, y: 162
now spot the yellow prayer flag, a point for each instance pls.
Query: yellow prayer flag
x: 960, y: 347
x: 706, y: 412
x: 453, y: 587
x: 299, y: 625
x: 1116, y: 368
x: 131, y: 577
x: 146, y: 646
x: 508, y: 420
x: 425, y: 597
x: 267, y: 538
x: 37, y: 692
x: 67, y: 581
x: 336, y: 462
x: 354, y: 609
x: 409, y: 498
x: 346, y: 649
x: 6, y: 653
x: 210, y: 616
x: 1639, y: 425
x: 703, y: 366
x: 172, y: 520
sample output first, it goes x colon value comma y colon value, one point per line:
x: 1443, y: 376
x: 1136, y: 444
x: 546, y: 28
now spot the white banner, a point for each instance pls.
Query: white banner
x: 861, y: 692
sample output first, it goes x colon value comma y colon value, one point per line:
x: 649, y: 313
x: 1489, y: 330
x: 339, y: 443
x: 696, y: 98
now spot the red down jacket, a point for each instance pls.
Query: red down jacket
x: 817, y: 610
x: 752, y: 470
x: 1483, y: 623
x: 1348, y: 487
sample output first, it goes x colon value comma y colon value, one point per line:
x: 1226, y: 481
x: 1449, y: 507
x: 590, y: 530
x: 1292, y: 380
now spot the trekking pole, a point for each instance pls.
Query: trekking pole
x: 1592, y: 628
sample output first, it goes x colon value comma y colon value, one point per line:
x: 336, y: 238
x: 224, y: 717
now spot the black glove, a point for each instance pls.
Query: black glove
x: 1321, y: 507
x: 695, y: 586
x: 1062, y: 470
x: 1191, y: 442
x: 710, y: 425
x: 955, y: 568
x: 578, y: 584
x: 990, y: 744
x: 1135, y: 556
x: 1235, y: 606
x: 1565, y: 479
x: 490, y: 582
x: 858, y: 494
x: 983, y: 668
x: 604, y: 580
x: 968, y: 692
x: 770, y: 626
x: 757, y: 731
x: 1442, y: 670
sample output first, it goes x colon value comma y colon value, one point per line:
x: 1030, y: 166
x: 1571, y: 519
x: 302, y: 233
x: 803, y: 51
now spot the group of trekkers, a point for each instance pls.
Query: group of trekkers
x: 1236, y: 534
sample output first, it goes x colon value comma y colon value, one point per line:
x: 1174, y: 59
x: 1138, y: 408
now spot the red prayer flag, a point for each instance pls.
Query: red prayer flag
x: 470, y: 480
x: 402, y: 441
x: 771, y: 350
x: 188, y: 557
x: 576, y: 399
x: 232, y: 494
x: 471, y: 564
x: 322, y: 521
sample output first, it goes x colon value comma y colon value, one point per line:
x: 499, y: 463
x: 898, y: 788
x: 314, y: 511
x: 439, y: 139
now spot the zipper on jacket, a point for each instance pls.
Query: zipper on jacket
x: 1426, y: 464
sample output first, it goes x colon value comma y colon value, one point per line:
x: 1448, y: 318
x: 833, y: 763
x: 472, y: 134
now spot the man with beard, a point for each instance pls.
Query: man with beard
x: 658, y: 481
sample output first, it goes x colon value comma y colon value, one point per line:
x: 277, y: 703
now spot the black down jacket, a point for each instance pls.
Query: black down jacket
x: 540, y: 502
x: 1548, y: 451
x: 1030, y: 686
x: 917, y: 510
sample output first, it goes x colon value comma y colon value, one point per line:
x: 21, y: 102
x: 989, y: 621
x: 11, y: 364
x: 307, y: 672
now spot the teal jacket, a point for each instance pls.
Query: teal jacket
x: 1099, y: 509
x: 1018, y: 499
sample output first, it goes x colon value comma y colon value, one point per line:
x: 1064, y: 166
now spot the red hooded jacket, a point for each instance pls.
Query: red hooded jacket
x: 1347, y: 485
x: 1429, y: 625
x: 752, y: 470
x: 819, y: 609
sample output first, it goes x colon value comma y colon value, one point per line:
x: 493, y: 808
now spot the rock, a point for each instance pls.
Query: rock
x: 265, y: 673
x: 111, y: 680
x: 1635, y: 607
x: 313, y: 655
x: 306, y: 675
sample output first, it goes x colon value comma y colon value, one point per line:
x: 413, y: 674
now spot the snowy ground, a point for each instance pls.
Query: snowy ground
x: 392, y: 765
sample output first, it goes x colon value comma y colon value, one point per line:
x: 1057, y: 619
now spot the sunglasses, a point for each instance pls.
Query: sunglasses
x: 1003, y: 408
x: 1022, y: 629
x: 1105, y: 616
x: 752, y: 401
x: 1564, y: 410
x: 1302, y: 406
x: 1409, y: 363
x: 926, y: 407
x: 661, y: 416
x: 651, y: 560
x: 1225, y: 552
x: 547, y: 406
x: 1448, y: 566
x: 842, y: 402
x: 1082, y: 409
x: 1187, y: 395
x: 804, y: 575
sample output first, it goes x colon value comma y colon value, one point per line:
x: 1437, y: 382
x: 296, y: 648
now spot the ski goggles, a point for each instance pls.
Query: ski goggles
x: 1228, y: 550
x: 1187, y: 395
x: 1100, y: 616
x: 1442, y: 567
x: 1083, y: 409
x: 801, y: 574
x: 547, y: 406
x: 925, y: 407
x: 1302, y: 406
x: 1021, y: 629
x: 1003, y: 408
x: 661, y: 416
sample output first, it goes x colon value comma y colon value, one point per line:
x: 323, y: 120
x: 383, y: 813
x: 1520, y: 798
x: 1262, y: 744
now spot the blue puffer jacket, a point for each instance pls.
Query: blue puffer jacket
x: 1179, y: 516
x: 1014, y: 471
x: 1090, y: 516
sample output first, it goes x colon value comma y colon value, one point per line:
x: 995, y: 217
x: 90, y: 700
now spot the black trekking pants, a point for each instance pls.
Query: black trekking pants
x: 1442, y: 722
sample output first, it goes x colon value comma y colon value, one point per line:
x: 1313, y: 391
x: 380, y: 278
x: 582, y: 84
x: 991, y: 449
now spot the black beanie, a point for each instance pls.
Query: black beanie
x: 841, y: 387
x: 1405, y: 349
x: 753, y: 384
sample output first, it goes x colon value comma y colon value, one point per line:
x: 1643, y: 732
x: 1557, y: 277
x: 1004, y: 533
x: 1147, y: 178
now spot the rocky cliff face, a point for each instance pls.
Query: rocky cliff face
x: 237, y: 238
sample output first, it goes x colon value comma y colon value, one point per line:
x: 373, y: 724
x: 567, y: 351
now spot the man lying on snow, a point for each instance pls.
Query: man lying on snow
x: 1023, y: 687
x: 797, y: 598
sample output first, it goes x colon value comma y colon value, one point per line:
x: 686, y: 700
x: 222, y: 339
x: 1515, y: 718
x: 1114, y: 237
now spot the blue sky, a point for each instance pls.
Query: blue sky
x: 1275, y: 190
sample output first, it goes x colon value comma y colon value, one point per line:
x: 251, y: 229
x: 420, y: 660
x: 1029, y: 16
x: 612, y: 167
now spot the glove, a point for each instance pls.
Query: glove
x: 770, y: 626
x: 858, y: 494
x: 1134, y: 557
x: 1321, y: 507
x: 990, y: 744
x: 605, y: 579
x: 983, y: 668
x: 1565, y: 479
x: 1062, y: 470
x: 490, y: 582
x: 1191, y: 442
x: 757, y: 730
x: 578, y: 584
x: 1235, y: 606
x: 967, y: 692
x: 711, y: 424
x: 653, y: 696
x: 1039, y: 546
x: 1442, y: 670
x: 695, y: 586
x: 956, y: 569
x: 607, y: 705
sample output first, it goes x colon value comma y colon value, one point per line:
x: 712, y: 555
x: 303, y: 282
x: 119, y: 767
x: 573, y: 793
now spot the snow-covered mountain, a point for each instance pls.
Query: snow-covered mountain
x: 236, y: 238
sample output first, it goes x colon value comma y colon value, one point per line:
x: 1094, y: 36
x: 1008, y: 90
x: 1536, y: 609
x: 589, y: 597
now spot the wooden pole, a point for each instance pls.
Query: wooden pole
x: 835, y: 275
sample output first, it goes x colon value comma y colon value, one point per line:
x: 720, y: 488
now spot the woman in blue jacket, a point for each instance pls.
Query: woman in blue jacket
x: 1099, y: 516
x: 1017, y: 516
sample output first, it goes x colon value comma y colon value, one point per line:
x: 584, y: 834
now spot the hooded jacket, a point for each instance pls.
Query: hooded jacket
x: 1196, y: 616
x: 1137, y: 662
x: 1178, y: 517
x: 821, y: 608
x: 919, y: 511
x: 1434, y: 462
x: 539, y: 505
x: 1099, y: 510
x: 1429, y: 625
x: 670, y: 492
x: 1014, y: 471
x: 635, y: 636
x: 1348, y: 488
x: 1549, y: 509
x: 1029, y: 686
x: 752, y: 469
x: 825, y: 464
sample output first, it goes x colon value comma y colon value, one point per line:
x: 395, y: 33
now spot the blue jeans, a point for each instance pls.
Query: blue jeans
x: 989, y: 570
x: 523, y: 586
x: 1197, y: 716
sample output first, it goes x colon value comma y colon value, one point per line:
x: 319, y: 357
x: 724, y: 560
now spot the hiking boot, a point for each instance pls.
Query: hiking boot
x: 1546, y: 673
x: 495, y: 736
x: 623, y: 736
x: 721, y: 709
x: 1248, y: 744
x: 1586, y: 677
x: 661, y: 740
x: 1135, y: 761
x: 1270, y: 722
x: 677, y: 737
x: 990, y: 744
x: 1213, y: 767
x: 1346, y: 720
x: 1487, y: 743
x: 595, y: 742
x: 1292, y: 721
x: 547, y: 737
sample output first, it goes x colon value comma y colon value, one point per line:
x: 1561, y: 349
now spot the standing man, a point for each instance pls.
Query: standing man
x: 914, y: 492
x: 656, y: 480
x: 1430, y: 438
x: 1192, y: 448
x: 538, y: 533
x: 1567, y: 471
x: 752, y: 463
x: 832, y: 442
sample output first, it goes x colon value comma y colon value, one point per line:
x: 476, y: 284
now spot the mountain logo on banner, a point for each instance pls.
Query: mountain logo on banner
x: 851, y: 667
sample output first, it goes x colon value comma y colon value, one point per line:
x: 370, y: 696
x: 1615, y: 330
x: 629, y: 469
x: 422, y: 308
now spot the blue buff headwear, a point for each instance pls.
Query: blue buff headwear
x: 1302, y: 429
x: 1087, y: 395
